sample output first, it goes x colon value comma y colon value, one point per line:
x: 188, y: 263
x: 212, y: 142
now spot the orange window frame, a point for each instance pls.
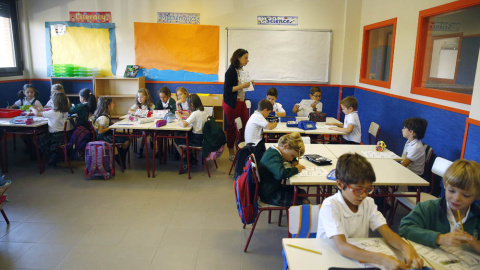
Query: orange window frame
x: 419, y: 66
x: 365, y: 44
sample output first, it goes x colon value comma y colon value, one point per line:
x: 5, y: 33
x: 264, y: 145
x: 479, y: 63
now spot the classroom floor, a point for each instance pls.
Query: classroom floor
x: 63, y: 221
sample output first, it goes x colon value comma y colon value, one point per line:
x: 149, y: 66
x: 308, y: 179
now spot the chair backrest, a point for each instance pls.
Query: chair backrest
x: 303, y: 220
x: 238, y: 123
x: 374, y: 130
x: 92, y: 129
x: 440, y: 166
x: 248, y: 103
x: 209, y: 110
x: 306, y: 140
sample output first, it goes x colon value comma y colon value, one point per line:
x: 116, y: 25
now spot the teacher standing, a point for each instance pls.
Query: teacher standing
x: 234, y: 98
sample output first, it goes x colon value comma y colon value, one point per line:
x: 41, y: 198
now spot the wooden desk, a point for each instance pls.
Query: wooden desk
x: 171, y: 130
x: 340, y: 149
x: 34, y: 129
x: 125, y: 124
x: 301, y: 259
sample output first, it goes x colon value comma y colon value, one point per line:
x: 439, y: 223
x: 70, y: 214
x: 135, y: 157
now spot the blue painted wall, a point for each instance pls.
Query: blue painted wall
x: 472, y: 148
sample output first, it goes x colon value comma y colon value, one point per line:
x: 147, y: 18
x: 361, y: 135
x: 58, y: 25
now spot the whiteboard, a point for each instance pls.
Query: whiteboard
x: 295, y: 56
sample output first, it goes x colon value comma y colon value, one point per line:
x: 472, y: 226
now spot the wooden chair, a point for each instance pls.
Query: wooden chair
x: 439, y: 167
x: 238, y: 145
x: 302, y: 223
x: 261, y: 205
x: 374, y: 130
x: 64, y: 146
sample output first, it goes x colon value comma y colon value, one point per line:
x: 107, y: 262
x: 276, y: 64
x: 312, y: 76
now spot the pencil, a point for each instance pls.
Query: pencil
x: 460, y: 220
x: 306, y: 249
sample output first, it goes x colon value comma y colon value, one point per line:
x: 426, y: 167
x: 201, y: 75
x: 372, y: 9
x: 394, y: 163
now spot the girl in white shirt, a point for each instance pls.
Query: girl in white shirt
x: 28, y: 96
x: 56, y: 117
x: 196, y: 120
x: 182, y: 104
x: 144, y: 102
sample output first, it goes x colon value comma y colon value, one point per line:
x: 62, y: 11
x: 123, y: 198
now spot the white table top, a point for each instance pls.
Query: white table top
x: 282, y: 128
x: 5, y: 122
x: 125, y: 124
x: 387, y: 171
x: 301, y: 259
x: 320, y: 149
x: 172, y: 126
x: 340, y: 149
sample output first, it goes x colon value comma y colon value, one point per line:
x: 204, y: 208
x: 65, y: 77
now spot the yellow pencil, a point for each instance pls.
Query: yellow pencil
x: 306, y: 249
x: 460, y: 220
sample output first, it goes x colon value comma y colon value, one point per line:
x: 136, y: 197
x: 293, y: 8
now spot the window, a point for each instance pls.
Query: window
x: 11, y: 60
x: 446, y: 53
x: 377, y: 53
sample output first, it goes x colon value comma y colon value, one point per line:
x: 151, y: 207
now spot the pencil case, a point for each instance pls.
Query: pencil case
x: 161, y: 123
x: 292, y: 124
x: 145, y: 120
x: 22, y: 120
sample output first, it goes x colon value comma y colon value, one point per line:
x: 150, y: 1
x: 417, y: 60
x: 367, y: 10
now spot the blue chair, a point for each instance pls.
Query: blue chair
x: 302, y: 223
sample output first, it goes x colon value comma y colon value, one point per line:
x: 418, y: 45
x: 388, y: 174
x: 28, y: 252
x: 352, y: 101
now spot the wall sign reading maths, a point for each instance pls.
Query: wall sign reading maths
x: 182, y: 18
x: 277, y: 20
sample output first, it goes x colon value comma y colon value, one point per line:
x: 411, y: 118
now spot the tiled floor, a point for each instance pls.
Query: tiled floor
x: 62, y: 221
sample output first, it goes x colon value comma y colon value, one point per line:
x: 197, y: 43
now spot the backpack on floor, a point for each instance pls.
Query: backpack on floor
x: 80, y: 137
x: 98, y: 159
x: 245, y: 193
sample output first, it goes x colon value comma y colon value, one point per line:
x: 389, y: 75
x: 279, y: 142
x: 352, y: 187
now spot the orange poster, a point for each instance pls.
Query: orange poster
x: 177, y: 49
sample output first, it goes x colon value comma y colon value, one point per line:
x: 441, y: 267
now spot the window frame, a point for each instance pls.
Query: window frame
x: 365, y: 45
x: 419, y: 66
x: 17, y: 49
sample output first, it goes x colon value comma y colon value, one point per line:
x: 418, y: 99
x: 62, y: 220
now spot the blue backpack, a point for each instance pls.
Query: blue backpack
x: 246, y: 192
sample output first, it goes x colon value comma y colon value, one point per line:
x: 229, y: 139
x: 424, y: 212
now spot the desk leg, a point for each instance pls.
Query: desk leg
x: 113, y: 149
x: 146, y: 151
x: 153, y: 155
x: 188, y: 156
x: 6, y: 152
x: 35, y: 141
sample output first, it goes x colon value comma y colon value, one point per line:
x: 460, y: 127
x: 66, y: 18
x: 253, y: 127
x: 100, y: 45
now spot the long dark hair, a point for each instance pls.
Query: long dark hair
x: 86, y: 94
x: 21, y: 94
x: 237, y: 54
x: 194, y: 103
x: 102, y: 108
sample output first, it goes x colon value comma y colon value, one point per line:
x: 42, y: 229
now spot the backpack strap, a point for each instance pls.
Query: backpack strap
x: 93, y: 158
x: 305, y: 221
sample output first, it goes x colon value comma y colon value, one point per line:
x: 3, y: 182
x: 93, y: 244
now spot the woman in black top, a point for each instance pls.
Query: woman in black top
x: 234, y: 97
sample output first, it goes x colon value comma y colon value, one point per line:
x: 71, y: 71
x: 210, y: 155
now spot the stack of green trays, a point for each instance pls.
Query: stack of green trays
x: 58, y: 70
x: 80, y: 72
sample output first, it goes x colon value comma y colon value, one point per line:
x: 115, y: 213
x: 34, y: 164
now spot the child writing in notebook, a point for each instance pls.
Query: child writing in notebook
x: 350, y: 213
x: 144, y: 102
x: 166, y: 101
x: 257, y: 122
x: 272, y: 171
x: 304, y: 110
x: 413, y: 156
x: 56, y: 119
x: 102, y: 123
x: 351, y: 123
x: 272, y: 95
x: 196, y: 120
x: 86, y: 108
x: 182, y: 104
x: 28, y: 96
x: 452, y: 220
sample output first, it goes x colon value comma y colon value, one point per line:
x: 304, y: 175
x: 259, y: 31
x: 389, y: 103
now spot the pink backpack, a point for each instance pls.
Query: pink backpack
x: 98, y: 159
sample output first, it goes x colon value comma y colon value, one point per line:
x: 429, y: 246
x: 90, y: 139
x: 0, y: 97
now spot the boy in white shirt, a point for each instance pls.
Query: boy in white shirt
x: 351, y: 123
x: 257, y: 122
x: 413, y: 156
x: 272, y: 95
x: 350, y: 213
x: 314, y: 103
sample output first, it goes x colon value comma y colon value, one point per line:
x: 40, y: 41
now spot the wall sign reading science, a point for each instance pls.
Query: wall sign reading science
x: 277, y: 20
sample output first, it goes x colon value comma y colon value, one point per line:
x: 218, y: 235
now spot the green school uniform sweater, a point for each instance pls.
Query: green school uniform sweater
x: 172, y: 105
x: 81, y: 110
x: 429, y: 219
x: 272, y: 172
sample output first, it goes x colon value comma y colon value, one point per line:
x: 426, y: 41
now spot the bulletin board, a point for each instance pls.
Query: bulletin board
x: 283, y: 55
x: 90, y: 45
x: 177, y: 52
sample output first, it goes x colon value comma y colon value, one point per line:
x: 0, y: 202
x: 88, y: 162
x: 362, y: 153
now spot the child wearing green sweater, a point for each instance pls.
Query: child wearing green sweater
x: 272, y: 171
x: 437, y: 222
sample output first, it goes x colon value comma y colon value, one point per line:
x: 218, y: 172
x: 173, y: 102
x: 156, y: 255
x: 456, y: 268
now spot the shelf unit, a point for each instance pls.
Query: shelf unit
x: 73, y: 85
x: 122, y: 90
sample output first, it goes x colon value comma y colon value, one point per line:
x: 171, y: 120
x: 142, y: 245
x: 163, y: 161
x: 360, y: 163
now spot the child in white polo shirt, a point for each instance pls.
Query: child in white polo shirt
x: 272, y: 95
x: 257, y: 122
x: 350, y: 213
x: 413, y: 156
x: 351, y: 123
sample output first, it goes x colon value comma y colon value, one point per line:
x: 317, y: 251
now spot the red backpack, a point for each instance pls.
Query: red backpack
x: 246, y: 192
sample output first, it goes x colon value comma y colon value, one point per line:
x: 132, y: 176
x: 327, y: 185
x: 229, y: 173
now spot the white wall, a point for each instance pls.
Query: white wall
x: 313, y: 14
x: 406, y: 12
x: 475, y: 112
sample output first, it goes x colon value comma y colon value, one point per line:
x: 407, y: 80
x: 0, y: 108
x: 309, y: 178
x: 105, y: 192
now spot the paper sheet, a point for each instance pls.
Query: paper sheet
x: 305, y: 103
x: 313, y: 171
x: 468, y: 260
x: 375, y: 154
x: 245, y: 77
